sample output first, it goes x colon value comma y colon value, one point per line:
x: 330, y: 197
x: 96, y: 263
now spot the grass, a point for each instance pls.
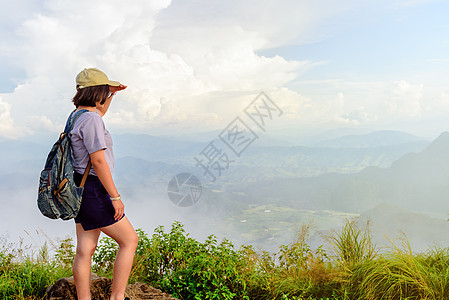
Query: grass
x: 26, y: 275
x: 400, y: 274
x: 189, y: 269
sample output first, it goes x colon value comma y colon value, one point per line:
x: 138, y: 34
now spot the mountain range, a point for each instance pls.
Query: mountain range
x: 418, y: 181
x: 264, y: 195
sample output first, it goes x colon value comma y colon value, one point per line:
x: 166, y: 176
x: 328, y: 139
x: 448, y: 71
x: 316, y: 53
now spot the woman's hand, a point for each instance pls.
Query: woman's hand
x: 103, y: 108
x: 115, y: 89
x: 119, y: 209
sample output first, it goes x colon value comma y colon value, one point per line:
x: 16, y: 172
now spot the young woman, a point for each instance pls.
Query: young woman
x: 102, y: 209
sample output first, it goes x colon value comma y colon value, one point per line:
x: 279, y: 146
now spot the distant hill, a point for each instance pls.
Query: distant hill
x: 392, y: 222
x: 155, y: 148
x: 373, y: 139
x: 263, y: 162
x: 155, y: 158
x: 15, y: 150
x: 418, y: 181
x: 268, y: 191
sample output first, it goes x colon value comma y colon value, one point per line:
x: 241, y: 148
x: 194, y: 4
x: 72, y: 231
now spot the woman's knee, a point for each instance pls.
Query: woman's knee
x: 130, y: 241
x: 133, y: 240
x: 85, y: 250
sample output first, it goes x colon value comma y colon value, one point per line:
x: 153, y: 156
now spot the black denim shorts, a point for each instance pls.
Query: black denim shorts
x: 96, y: 207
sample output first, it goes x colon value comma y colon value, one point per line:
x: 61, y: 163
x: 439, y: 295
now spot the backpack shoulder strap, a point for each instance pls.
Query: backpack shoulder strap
x: 71, y: 120
x: 86, y: 172
x: 68, y: 127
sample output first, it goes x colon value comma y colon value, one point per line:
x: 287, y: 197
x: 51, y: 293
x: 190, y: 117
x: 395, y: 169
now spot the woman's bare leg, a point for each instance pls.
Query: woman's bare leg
x: 86, y: 242
x: 126, y: 237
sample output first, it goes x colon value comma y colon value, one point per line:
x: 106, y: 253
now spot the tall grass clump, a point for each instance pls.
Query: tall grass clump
x: 352, y: 245
x: 394, y: 274
x: 400, y: 274
x: 303, y: 272
x: 25, y: 274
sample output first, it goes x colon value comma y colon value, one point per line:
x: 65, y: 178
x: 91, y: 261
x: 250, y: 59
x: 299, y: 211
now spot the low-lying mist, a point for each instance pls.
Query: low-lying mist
x: 398, y: 187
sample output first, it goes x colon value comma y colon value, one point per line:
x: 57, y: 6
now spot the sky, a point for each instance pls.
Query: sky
x: 193, y: 66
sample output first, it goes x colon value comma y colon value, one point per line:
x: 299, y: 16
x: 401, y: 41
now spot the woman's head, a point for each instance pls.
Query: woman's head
x: 89, y: 96
x: 92, y: 86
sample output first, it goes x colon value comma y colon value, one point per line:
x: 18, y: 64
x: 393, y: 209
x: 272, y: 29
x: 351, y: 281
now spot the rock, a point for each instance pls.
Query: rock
x: 100, y: 288
x: 141, y: 290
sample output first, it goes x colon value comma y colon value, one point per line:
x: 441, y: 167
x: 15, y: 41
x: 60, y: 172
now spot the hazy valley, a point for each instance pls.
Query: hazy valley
x: 395, y: 180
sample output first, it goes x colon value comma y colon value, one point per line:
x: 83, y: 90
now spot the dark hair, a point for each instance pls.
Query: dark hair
x: 89, y: 96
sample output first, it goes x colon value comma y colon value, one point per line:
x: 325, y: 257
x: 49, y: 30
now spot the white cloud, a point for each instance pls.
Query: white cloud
x: 409, y: 3
x: 42, y: 122
x: 224, y: 58
x: 8, y: 129
x: 405, y: 99
x: 172, y: 85
x: 272, y: 23
x: 187, y: 64
x: 305, y: 111
x: 359, y: 116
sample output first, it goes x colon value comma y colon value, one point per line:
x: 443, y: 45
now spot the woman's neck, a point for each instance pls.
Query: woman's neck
x: 89, y: 108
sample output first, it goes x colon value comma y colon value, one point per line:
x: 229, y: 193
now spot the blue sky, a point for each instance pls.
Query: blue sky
x: 394, y: 44
x: 194, y: 65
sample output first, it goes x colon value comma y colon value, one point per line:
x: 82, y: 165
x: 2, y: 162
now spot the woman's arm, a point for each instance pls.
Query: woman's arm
x: 104, y: 174
x: 103, y: 108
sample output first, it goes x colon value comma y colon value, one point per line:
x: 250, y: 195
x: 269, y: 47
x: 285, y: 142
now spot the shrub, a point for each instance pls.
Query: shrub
x: 24, y: 276
x: 400, y: 274
x: 189, y: 269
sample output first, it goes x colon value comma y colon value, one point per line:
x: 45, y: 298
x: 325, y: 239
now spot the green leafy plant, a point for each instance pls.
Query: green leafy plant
x: 27, y: 276
x: 65, y: 254
x: 190, y: 269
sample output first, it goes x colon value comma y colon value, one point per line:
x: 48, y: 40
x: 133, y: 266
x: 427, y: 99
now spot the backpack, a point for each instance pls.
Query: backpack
x: 58, y: 195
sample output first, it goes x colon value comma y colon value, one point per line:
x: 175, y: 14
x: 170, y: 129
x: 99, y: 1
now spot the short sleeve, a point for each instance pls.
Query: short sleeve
x: 92, y: 132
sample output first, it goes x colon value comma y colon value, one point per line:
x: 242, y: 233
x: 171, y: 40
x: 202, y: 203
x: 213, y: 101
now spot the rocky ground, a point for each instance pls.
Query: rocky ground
x: 64, y: 289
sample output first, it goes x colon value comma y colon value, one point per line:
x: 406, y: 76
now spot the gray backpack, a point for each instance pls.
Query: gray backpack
x: 58, y: 195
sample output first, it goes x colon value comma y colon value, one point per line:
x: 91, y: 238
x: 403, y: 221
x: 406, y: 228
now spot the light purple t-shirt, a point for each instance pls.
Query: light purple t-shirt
x: 88, y: 136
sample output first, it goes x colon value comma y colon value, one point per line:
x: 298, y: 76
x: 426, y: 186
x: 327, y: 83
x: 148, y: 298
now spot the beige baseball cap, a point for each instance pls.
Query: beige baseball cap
x: 93, y: 77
